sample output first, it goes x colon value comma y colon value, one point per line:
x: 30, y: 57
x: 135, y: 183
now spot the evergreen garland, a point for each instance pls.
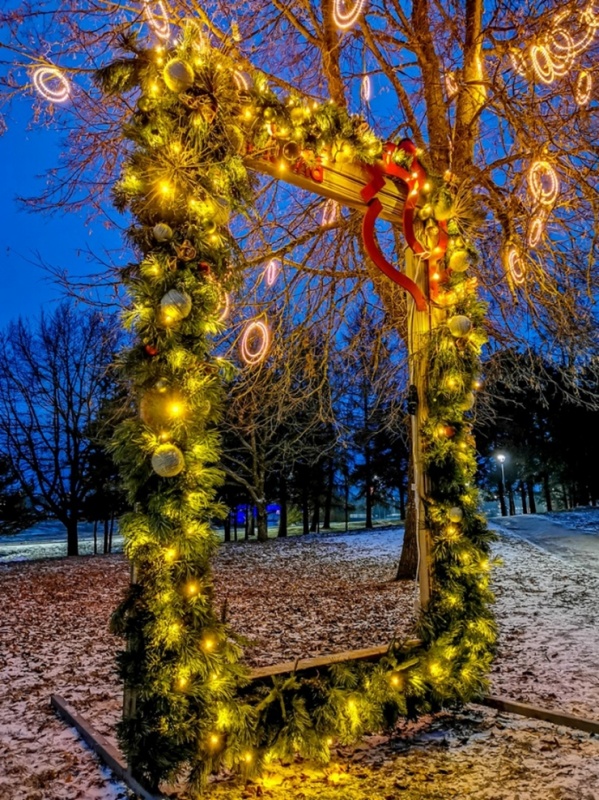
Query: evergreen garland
x: 194, y: 709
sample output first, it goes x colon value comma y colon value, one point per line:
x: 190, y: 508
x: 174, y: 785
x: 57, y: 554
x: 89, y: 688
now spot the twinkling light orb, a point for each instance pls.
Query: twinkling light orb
x: 51, y: 84
x: 255, y: 342
x: 156, y: 15
x: 583, y: 88
x: 516, y: 266
x: 344, y: 15
x: 272, y: 270
x: 543, y: 182
x: 536, y: 230
x: 366, y: 89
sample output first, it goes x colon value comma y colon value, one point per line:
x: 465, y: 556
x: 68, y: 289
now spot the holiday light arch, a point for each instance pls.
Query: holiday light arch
x: 190, y: 703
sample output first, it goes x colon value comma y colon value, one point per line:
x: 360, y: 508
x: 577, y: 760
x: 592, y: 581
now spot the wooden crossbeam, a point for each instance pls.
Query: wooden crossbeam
x: 342, y: 182
x: 321, y: 662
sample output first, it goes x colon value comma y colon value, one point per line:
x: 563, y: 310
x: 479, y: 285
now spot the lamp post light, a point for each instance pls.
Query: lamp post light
x: 501, y: 459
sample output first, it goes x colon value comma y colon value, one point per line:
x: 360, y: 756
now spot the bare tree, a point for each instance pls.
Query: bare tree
x: 52, y: 380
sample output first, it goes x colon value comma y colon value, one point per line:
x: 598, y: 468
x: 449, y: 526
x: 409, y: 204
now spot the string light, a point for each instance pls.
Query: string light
x: 516, y: 266
x: 583, y: 88
x: 51, y: 84
x: 344, y: 17
x: 366, y: 89
x: 330, y: 212
x: 543, y: 183
x: 536, y: 229
x: 518, y: 62
x: 158, y: 22
x: 255, y: 342
x: 272, y: 270
x: 542, y: 63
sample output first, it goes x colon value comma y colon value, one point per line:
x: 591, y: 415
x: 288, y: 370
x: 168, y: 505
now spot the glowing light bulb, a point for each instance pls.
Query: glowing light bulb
x: 165, y: 187
x: 170, y: 554
x: 330, y: 212
x: 175, y: 408
x: 248, y: 758
x: 51, y: 84
x: 543, y: 183
x: 192, y: 588
x: 157, y: 21
x: 345, y: 17
x: 182, y: 682
x: 255, y: 342
x: 214, y: 740
x: 208, y: 643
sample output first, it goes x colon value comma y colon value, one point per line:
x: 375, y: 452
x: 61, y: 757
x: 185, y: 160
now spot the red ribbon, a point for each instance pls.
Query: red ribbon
x: 414, y: 179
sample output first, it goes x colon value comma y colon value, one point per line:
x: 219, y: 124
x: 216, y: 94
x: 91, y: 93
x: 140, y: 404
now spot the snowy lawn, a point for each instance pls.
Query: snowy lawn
x: 298, y: 598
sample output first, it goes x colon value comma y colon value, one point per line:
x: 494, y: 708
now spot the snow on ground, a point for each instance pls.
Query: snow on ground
x: 296, y: 598
x: 583, y: 519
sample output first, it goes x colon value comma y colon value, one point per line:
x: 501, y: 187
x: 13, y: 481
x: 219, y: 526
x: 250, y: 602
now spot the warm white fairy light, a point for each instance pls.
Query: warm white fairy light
x: 157, y: 21
x: 272, y: 270
x: 241, y: 81
x: 518, y: 62
x: 516, y: 266
x: 542, y: 63
x: 330, y: 212
x: 51, y: 84
x: 366, y: 89
x: 583, y: 88
x: 255, y: 342
x: 345, y: 17
x: 543, y: 183
x: 535, y: 230
x: 225, y: 305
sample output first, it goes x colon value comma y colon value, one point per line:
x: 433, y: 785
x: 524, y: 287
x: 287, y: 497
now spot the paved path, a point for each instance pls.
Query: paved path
x: 579, y: 548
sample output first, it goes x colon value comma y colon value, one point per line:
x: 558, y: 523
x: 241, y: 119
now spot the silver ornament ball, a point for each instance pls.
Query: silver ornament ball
x: 162, y: 232
x: 168, y: 461
x: 178, y: 75
x: 175, y: 305
x: 455, y: 514
x: 459, y: 325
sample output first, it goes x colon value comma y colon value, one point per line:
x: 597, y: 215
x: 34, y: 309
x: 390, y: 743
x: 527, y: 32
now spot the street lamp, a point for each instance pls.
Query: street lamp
x: 501, y: 459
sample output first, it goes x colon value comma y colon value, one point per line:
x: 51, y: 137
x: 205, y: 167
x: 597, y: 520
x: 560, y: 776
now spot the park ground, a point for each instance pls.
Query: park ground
x: 307, y: 596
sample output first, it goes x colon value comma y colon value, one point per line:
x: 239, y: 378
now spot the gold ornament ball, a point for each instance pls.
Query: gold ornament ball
x: 459, y: 326
x: 456, y: 514
x: 168, y: 461
x: 178, y: 75
x: 458, y: 261
x: 468, y: 402
x: 297, y: 114
x: 162, y: 232
x: 175, y: 305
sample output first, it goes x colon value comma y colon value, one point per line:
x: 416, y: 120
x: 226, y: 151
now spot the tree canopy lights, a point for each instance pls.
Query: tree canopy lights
x: 194, y: 125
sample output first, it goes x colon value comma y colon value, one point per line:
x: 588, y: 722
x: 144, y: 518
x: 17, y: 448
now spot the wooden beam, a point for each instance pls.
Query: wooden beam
x: 534, y: 712
x: 321, y: 662
x: 101, y: 746
x: 341, y: 182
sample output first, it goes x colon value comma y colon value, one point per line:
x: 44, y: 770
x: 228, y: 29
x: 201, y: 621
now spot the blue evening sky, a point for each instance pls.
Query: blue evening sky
x: 62, y: 239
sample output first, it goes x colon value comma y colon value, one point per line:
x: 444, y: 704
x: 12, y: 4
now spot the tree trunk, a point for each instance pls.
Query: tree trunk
x: 227, y: 527
x: 328, y: 498
x: 262, y: 521
x: 502, y: 499
x: 72, y: 537
x: 105, y: 542
x: 95, y: 537
x: 235, y: 513
x: 510, y: 495
x: 111, y: 533
x: 315, y: 526
x: 523, y: 497
x: 305, y: 510
x: 283, y: 505
x: 408, y: 561
x: 531, y: 496
x: 547, y: 490
x: 247, y: 521
x: 402, y: 501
